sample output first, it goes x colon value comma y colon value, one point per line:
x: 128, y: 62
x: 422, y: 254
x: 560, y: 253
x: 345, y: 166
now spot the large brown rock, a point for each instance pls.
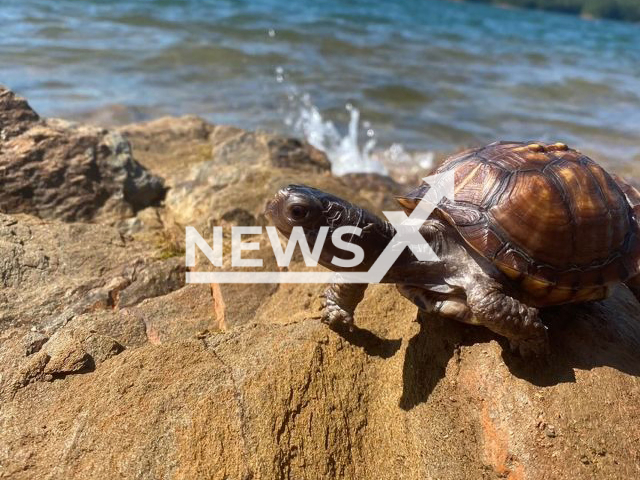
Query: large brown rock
x: 395, y: 399
x: 56, y: 169
x: 111, y: 367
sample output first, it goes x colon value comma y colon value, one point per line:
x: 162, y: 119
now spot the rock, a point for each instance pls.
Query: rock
x: 152, y: 279
x: 170, y: 144
x: 378, y: 189
x: 122, y: 325
x: 56, y: 169
x: 236, y: 185
x: 116, y: 115
x: 33, y: 342
x: 111, y: 367
x: 300, y: 401
x: 66, y: 354
x: 51, y: 272
x: 292, y: 153
x: 181, y: 315
x: 69, y: 351
x: 16, y: 115
x: 220, y: 173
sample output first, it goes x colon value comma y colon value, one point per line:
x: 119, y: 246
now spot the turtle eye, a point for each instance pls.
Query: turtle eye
x: 298, y: 212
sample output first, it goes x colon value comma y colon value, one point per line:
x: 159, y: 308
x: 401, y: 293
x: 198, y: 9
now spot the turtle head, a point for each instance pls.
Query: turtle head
x: 312, y: 209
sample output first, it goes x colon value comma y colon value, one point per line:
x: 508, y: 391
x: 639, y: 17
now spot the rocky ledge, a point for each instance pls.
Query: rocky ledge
x: 112, y: 367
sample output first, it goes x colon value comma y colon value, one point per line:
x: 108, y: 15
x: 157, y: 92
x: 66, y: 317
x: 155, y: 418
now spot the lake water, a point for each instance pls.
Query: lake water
x: 430, y: 75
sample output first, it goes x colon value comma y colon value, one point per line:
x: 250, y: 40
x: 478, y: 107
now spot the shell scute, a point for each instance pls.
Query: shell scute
x: 475, y: 183
x: 535, y: 216
x: 483, y: 239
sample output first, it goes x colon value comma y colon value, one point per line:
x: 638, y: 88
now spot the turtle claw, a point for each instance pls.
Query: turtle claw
x: 532, y: 347
x: 336, y: 317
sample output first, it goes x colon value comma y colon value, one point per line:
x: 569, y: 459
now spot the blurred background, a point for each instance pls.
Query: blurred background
x: 371, y: 78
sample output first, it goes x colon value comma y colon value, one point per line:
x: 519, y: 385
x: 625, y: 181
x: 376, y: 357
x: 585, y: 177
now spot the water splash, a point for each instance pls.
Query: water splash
x: 343, y: 151
x: 406, y: 166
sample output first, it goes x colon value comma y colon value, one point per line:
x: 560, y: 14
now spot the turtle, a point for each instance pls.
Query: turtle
x: 531, y: 225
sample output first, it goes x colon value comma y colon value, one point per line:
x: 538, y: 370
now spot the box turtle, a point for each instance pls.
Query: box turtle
x: 531, y: 225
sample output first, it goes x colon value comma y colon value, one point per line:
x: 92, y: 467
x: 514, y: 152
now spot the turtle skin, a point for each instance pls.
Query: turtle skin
x: 554, y: 222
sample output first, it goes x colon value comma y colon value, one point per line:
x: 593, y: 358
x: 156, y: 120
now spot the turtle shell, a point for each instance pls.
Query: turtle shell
x: 550, y: 218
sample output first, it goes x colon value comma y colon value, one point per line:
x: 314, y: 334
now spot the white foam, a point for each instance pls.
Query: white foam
x: 398, y: 157
x: 343, y: 151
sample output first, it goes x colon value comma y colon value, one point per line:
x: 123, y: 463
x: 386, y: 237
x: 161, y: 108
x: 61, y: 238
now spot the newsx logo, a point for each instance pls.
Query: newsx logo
x: 407, y: 235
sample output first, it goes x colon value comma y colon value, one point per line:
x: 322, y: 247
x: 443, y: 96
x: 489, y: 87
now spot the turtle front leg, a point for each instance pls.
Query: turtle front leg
x: 510, y: 318
x: 340, y: 301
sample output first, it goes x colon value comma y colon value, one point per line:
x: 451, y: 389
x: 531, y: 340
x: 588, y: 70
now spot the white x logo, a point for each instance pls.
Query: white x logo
x: 408, y: 230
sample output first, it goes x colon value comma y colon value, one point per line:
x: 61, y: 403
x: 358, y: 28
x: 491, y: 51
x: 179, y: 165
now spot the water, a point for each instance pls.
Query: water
x: 422, y: 75
x: 344, y: 151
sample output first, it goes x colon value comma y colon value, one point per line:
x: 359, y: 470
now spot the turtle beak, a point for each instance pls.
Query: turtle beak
x: 275, y: 204
x: 275, y: 211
